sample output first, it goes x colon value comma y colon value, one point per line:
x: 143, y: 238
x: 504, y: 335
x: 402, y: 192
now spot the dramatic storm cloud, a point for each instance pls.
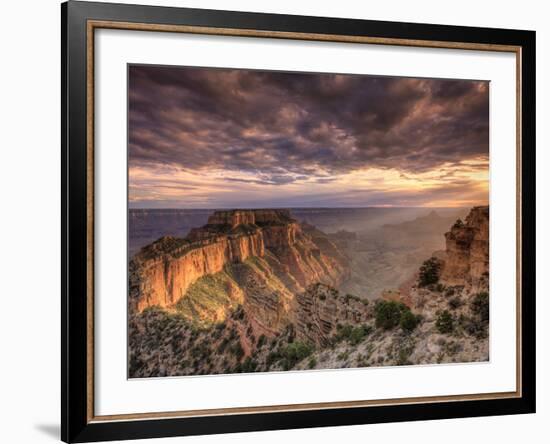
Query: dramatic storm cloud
x: 212, y: 138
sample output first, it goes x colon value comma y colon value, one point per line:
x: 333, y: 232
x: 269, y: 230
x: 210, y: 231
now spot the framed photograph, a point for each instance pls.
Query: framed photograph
x: 276, y: 221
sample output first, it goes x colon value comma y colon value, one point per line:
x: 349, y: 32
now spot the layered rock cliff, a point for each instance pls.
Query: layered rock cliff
x: 467, y: 251
x: 258, y: 257
x: 321, y: 309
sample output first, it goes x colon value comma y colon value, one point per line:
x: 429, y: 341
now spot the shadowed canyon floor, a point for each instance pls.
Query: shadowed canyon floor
x: 268, y: 290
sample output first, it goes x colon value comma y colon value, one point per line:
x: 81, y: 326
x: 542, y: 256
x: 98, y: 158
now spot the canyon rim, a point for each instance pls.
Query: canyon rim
x: 302, y: 221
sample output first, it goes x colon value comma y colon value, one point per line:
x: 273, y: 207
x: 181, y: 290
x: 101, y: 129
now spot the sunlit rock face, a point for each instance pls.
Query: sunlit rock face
x: 285, y: 260
x: 467, y: 251
x: 165, y: 277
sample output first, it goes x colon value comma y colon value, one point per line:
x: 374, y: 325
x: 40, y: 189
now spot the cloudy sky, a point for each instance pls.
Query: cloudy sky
x: 220, y: 138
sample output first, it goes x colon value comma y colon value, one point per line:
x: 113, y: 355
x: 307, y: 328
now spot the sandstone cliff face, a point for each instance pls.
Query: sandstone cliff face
x: 286, y: 261
x: 467, y: 251
x: 164, y: 278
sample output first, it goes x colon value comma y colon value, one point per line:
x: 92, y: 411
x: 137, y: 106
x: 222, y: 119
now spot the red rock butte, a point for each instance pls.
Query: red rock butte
x: 162, y: 272
x: 234, y: 218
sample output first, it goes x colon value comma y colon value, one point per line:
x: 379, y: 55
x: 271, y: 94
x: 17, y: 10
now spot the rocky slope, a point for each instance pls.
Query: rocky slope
x: 277, y: 306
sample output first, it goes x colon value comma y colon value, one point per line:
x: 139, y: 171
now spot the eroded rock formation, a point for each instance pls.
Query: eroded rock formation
x: 320, y: 309
x: 264, y: 253
x: 467, y: 251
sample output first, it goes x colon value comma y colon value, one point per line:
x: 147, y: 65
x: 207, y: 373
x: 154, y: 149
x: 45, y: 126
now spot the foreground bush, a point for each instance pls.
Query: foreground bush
x: 429, y: 272
x: 444, y: 322
x: 390, y: 314
x: 408, y: 321
x: 294, y: 353
x: 480, y: 306
x: 354, y: 335
x: 474, y: 327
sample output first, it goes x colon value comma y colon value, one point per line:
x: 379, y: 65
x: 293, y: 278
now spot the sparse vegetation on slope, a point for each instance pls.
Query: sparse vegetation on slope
x: 445, y: 322
x: 480, y: 306
x: 210, y: 298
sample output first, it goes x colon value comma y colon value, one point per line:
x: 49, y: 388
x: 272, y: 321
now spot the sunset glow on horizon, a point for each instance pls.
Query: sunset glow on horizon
x: 217, y: 138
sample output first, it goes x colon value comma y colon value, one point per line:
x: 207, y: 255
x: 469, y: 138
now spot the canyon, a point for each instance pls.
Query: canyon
x: 257, y: 290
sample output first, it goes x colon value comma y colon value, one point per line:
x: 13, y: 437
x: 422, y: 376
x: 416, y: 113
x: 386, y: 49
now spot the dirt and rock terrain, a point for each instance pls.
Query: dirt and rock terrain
x: 257, y: 290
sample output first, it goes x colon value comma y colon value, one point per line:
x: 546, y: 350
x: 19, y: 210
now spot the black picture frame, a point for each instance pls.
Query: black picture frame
x: 76, y: 423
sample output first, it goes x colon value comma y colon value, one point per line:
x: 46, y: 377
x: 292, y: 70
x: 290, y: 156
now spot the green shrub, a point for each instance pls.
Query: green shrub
x: 354, y: 335
x: 239, y: 313
x: 475, y: 327
x: 290, y: 333
x: 223, y: 345
x: 445, y: 322
x: 403, y: 355
x: 429, y: 272
x: 450, y: 291
x: 388, y: 314
x: 249, y: 365
x: 454, y: 303
x: 357, y: 335
x: 343, y: 356
x: 294, y: 353
x: 343, y: 332
x: 351, y: 297
x: 135, y: 363
x: 367, y: 329
x: 261, y: 341
x: 312, y: 362
x: 480, y: 306
x: 478, y: 324
x: 200, y: 350
x: 237, y: 350
x: 272, y: 357
x: 408, y: 321
x: 458, y: 224
x: 453, y: 348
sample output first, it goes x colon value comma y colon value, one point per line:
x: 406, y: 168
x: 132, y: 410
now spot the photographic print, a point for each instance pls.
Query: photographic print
x: 285, y: 221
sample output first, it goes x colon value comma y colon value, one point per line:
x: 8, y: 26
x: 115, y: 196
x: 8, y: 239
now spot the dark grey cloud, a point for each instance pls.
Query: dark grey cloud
x: 283, y: 126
